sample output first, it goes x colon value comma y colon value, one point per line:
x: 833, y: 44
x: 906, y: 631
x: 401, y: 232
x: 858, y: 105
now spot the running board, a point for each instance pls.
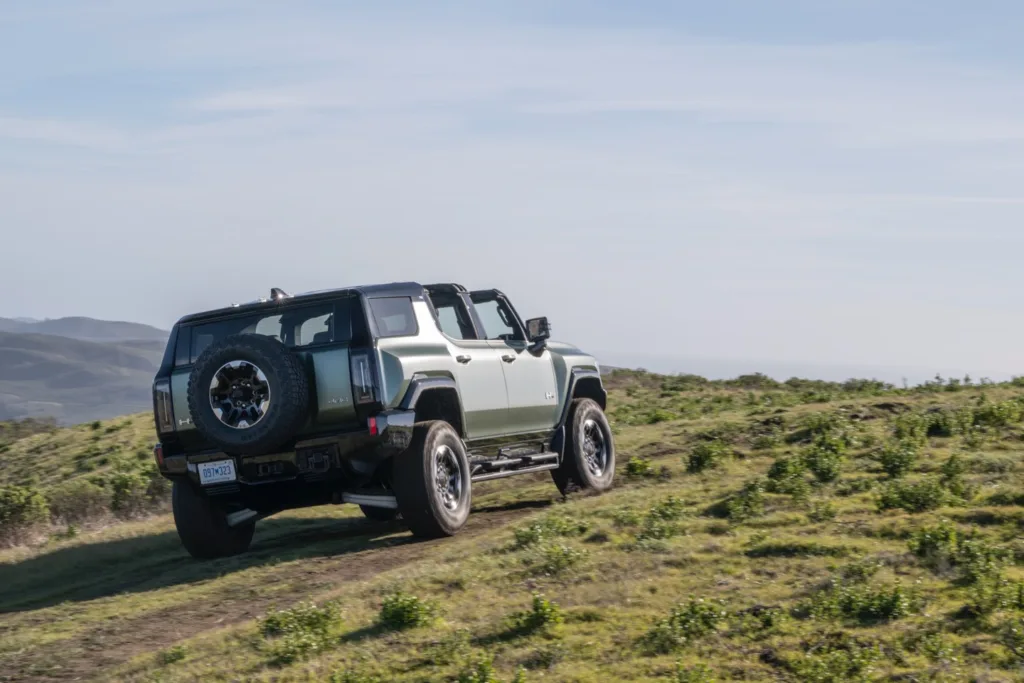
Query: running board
x: 370, y: 500
x: 521, y: 461
x: 508, y: 473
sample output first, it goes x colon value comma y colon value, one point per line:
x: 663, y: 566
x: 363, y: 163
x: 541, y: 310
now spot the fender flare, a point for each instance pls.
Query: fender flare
x: 421, y: 385
x: 575, y: 376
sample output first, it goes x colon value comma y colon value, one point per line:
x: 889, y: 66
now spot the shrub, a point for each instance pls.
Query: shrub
x: 77, y: 502
x: 864, y: 604
x: 821, y: 511
x: 786, y: 475
x: 839, y: 659
x: 557, y: 558
x: 952, y: 479
x: 897, y: 458
x: 707, y: 455
x: 171, y: 655
x: 400, y: 611
x: 640, y: 468
x: 684, y: 624
x: 694, y: 674
x: 548, y: 528
x: 481, y: 671
x: 823, y: 461
x: 544, y: 615
x: 23, y: 513
x: 927, y: 494
x: 748, y: 503
x: 1012, y: 637
x: 301, y: 631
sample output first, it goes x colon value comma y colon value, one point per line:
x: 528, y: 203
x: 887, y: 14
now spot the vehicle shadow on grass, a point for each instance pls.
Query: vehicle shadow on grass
x: 146, y: 563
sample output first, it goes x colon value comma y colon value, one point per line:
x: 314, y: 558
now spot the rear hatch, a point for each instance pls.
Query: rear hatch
x: 325, y: 334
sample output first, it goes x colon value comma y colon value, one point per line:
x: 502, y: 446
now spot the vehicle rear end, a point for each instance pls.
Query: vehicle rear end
x: 312, y: 370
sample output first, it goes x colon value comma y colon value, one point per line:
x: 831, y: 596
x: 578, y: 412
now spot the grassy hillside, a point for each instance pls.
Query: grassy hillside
x: 758, y: 532
x: 74, y: 380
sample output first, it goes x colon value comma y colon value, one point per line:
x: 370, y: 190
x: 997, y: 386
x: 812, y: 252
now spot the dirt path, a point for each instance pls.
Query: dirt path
x: 88, y: 655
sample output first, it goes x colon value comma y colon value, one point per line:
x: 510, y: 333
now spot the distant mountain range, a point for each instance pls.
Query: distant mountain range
x: 76, y: 369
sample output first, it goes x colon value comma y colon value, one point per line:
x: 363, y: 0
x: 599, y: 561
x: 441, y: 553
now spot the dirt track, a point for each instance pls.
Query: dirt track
x: 86, y: 656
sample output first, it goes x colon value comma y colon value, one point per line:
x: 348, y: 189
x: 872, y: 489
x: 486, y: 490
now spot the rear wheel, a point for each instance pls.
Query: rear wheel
x: 588, y: 459
x: 431, y: 480
x: 203, y: 526
x: 379, y: 514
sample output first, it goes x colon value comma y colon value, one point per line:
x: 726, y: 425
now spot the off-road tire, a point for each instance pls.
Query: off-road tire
x: 415, y: 481
x: 575, y: 472
x: 379, y: 514
x: 289, y: 394
x: 203, y: 526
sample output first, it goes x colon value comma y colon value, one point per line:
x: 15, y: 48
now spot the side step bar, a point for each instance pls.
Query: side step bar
x: 495, y: 469
x: 508, y: 473
x: 370, y: 500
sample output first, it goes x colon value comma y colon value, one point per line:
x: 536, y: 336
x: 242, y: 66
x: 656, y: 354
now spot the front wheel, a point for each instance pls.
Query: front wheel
x: 431, y: 480
x: 588, y: 459
x: 203, y: 525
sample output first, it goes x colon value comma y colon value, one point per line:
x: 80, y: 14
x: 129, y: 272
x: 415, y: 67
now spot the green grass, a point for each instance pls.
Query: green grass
x: 830, y: 533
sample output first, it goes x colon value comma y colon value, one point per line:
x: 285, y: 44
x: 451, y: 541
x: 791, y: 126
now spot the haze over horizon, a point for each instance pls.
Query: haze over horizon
x: 811, y: 184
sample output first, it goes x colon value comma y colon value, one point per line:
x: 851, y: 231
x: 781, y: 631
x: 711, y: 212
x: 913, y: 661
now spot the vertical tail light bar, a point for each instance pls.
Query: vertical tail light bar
x: 364, y: 385
x: 162, y: 409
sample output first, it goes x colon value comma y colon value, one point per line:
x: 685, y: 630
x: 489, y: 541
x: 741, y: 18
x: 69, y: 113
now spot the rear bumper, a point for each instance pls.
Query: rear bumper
x: 349, y: 458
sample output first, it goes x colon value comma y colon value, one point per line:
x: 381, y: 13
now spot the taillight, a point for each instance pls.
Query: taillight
x: 162, y: 409
x: 364, y: 386
x: 158, y: 454
x: 372, y: 424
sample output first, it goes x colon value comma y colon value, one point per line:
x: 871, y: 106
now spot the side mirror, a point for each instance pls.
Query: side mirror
x: 538, y: 330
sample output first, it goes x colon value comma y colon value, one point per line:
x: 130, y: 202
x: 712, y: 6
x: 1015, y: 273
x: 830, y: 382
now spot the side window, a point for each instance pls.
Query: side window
x: 497, y: 321
x: 394, y: 316
x: 452, y: 316
x: 316, y: 330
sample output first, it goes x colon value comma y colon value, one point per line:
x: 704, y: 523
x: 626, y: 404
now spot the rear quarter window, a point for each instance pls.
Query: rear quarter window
x: 296, y: 327
x: 394, y: 316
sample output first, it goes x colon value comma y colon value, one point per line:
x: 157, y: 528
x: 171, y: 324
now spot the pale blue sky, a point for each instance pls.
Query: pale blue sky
x: 802, y: 181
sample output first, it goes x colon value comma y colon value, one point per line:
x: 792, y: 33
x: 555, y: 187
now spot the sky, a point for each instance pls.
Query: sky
x: 812, y: 183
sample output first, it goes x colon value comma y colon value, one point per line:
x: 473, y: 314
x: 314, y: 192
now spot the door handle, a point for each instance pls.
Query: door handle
x: 463, y: 359
x: 508, y: 358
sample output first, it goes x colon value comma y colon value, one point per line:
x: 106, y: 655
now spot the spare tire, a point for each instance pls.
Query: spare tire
x: 248, y: 394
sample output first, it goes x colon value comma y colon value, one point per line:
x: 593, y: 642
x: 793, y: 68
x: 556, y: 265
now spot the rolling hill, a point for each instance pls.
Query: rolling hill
x: 806, y: 531
x: 76, y: 369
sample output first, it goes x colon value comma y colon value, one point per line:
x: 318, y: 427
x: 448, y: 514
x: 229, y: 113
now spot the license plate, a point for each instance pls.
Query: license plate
x: 216, y: 471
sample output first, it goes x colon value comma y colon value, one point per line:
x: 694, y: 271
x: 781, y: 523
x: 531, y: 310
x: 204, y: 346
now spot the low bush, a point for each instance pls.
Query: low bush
x: 301, y: 631
x: 24, y: 513
x: 640, y: 468
x: 400, y: 611
x: 786, y: 475
x: 78, y: 502
x: 748, y: 503
x: 864, y: 604
x: 707, y: 455
x: 557, y: 558
x: 687, y: 622
x: 693, y: 674
x: 897, y: 458
x: 543, y: 616
x: 823, y: 461
x: 839, y: 658
x: 548, y: 528
x: 922, y: 496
